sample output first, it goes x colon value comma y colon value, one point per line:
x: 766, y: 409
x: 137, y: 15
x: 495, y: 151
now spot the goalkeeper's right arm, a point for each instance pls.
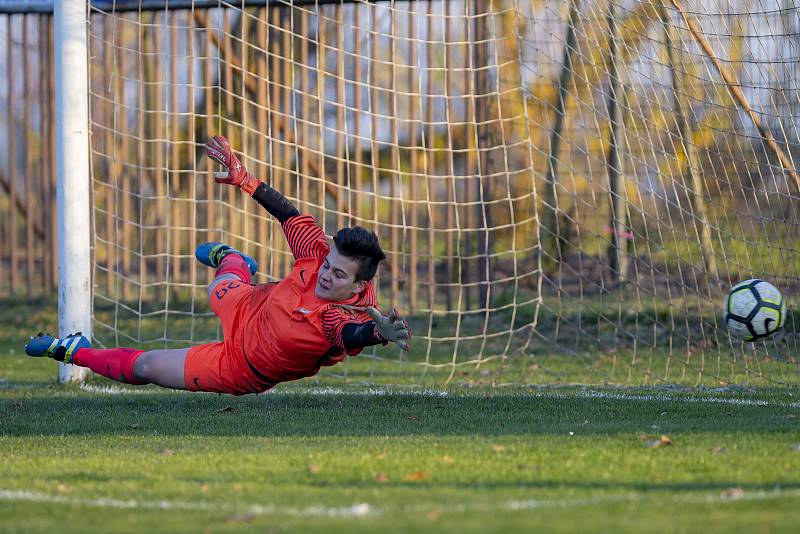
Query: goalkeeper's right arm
x: 275, y: 203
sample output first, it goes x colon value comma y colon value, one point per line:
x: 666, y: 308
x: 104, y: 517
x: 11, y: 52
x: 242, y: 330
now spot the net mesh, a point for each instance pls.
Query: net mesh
x: 565, y: 190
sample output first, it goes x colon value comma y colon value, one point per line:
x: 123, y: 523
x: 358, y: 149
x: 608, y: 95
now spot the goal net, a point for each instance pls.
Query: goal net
x: 565, y: 190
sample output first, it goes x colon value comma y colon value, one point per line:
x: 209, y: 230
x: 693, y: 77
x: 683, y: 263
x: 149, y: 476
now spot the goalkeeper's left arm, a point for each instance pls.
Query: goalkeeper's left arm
x: 377, y: 329
x: 353, y: 328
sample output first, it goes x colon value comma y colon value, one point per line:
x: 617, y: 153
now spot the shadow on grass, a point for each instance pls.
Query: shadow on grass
x: 71, y: 412
x: 729, y: 488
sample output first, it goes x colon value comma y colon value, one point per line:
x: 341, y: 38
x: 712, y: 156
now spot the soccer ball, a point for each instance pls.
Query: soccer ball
x: 754, y: 309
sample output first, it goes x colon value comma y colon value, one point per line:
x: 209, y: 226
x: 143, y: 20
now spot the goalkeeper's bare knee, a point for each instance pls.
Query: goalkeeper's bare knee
x: 163, y: 367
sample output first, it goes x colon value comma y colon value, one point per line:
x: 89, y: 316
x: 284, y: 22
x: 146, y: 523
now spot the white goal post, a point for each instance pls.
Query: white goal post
x: 72, y: 175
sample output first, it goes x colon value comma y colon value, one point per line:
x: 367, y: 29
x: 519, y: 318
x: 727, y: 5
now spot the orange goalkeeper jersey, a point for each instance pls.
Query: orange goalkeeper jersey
x: 286, y: 331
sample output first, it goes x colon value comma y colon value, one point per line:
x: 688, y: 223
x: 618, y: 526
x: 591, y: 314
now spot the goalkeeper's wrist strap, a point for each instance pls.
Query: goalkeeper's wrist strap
x: 249, y: 184
x: 377, y: 335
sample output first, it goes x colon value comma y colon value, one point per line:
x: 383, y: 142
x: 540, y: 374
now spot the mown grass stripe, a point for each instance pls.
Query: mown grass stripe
x: 366, y: 510
x: 356, y: 510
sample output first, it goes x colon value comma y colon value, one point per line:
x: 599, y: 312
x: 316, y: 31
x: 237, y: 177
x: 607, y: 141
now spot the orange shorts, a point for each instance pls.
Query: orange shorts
x: 221, y: 367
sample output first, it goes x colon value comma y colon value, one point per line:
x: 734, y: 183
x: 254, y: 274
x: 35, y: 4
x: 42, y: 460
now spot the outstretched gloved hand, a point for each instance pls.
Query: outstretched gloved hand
x: 218, y: 149
x: 390, y: 327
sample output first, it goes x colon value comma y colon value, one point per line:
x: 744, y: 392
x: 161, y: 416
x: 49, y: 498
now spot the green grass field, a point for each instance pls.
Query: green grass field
x: 338, y: 457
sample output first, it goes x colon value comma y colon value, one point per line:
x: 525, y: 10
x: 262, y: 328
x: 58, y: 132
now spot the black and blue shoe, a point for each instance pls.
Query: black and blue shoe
x: 211, y: 254
x: 58, y: 348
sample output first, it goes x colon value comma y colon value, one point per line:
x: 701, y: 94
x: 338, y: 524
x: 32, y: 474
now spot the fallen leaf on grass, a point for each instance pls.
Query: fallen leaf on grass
x: 241, y: 518
x: 382, y: 478
x: 64, y: 488
x: 416, y: 476
x: 498, y: 448
x: 167, y: 452
x: 660, y: 442
x: 313, y: 468
x: 226, y: 409
x: 413, y: 418
x: 733, y: 493
x: 447, y: 459
x: 434, y: 514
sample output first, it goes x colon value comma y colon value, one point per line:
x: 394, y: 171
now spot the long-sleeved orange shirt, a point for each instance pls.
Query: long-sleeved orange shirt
x: 286, y: 331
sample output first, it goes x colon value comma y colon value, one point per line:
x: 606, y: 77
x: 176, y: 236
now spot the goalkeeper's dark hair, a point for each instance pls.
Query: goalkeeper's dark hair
x: 363, y: 246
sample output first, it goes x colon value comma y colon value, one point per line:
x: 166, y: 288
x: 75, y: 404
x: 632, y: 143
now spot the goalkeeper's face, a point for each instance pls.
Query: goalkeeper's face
x: 336, y: 279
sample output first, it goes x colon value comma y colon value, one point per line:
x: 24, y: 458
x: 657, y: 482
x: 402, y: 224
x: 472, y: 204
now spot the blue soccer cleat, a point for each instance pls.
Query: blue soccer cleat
x: 58, y: 348
x: 211, y: 254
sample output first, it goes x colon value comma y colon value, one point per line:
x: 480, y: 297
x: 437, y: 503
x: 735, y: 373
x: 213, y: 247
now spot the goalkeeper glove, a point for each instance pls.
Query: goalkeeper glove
x: 389, y: 327
x: 220, y: 151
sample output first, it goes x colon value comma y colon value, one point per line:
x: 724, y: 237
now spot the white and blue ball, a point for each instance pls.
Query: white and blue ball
x: 754, y: 309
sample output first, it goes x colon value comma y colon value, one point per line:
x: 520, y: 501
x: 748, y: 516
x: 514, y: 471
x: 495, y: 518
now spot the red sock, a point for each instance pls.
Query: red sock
x: 234, y: 264
x: 116, y: 364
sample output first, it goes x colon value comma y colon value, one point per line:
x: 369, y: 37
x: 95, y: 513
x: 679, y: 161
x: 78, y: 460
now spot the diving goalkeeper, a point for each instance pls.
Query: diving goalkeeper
x: 324, y: 310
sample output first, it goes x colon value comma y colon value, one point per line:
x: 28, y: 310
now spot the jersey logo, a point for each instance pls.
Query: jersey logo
x: 223, y: 290
x: 304, y: 311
